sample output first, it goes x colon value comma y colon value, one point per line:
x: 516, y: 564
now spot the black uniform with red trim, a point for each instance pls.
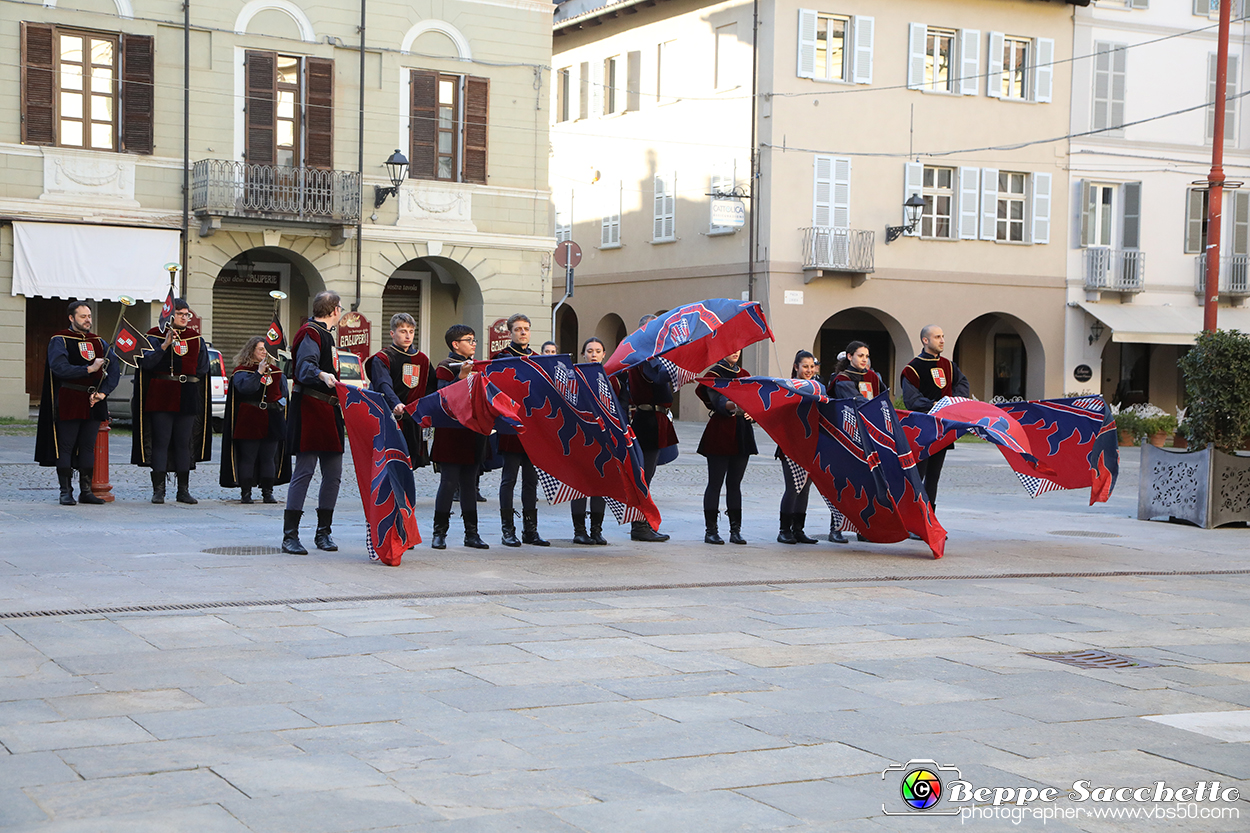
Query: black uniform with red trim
x: 402, y: 378
x: 314, y: 419
x: 67, y: 387
x: 172, y: 381
x: 458, y: 446
x: 927, y: 378
x: 511, y: 443
x: 855, y: 384
x: 650, y: 395
x: 255, y: 410
x: 726, y: 434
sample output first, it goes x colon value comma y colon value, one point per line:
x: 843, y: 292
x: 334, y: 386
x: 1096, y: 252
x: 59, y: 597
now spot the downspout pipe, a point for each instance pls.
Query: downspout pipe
x: 186, y: 143
x: 360, y: 161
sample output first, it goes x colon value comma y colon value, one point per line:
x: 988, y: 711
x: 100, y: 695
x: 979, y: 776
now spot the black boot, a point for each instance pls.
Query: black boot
x: 796, y: 529
x: 711, y: 535
x: 85, y: 495
x: 158, y: 487
x: 442, y: 522
x: 835, y: 533
x: 786, y: 535
x: 471, y: 538
x: 245, y: 493
x: 290, y: 533
x: 596, y: 529
x: 322, y: 538
x: 66, y: 478
x: 184, y: 489
x: 642, y: 531
x: 579, y: 531
x: 507, y: 525
x: 735, y: 527
x: 266, y: 490
x: 480, y: 497
x: 529, y: 530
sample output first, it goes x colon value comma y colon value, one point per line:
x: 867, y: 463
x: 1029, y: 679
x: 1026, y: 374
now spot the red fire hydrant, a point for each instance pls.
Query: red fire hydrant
x: 100, y: 486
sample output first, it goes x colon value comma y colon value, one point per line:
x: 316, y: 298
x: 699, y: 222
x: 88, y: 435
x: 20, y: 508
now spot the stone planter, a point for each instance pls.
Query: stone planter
x: 1180, y: 442
x: 1127, y: 438
x: 1205, y: 487
x: 1159, y: 439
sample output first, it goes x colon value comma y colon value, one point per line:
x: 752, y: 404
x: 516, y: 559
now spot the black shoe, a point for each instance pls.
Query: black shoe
x: 158, y: 487
x: 786, y: 534
x: 710, y: 534
x: 796, y: 529
x: 266, y: 490
x: 914, y: 537
x: 836, y: 536
x: 245, y: 494
x: 442, y: 522
x: 290, y: 533
x: 184, y: 488
x: 66, y: 478
x: 596, y: 529
x: 472, y: 539
x: 642, y: 531
x: 859, y: 536
x: 508, y: 528
x: 480, y: 497
x: 735, y: 527
x: 579, y: 532
x: 322, y: 538
x: 529, y: 530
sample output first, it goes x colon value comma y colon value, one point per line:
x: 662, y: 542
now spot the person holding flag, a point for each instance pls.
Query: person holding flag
x: 592, y: 351
x: 853, y: 376
x: 516, y: 460
x: 649, y: 390
x: 401, y: 373
x: 728, y: 442
x: 171, y: 402
x: 794, y: 498
x: 926, y: 379
x: 77, y: 378
x: 315, y: 429
x: 254, y: 429
x: 457, y: 451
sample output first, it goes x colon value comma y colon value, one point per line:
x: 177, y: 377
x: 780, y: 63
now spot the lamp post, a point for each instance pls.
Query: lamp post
x: 397, y: 167
x: 1215, y: 197
x: 913, y: 207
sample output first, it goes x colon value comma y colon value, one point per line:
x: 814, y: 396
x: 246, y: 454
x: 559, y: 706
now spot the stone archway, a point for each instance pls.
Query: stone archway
x: 438, y: 292
x: 886, y: 339
x: 1002, y: 357
x: 566, y: 334
x: 611, y: 331
x: 241, y: 305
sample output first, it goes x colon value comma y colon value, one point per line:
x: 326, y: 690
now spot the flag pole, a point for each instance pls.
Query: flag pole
x: 173, y: 269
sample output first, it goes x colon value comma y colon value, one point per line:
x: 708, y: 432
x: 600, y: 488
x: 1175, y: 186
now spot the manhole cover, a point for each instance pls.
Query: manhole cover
x: 243, y: 550
x: 1083, y: 533
x: 1095, y: 659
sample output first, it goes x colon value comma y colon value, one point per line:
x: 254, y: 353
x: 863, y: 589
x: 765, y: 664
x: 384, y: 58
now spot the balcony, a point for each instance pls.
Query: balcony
x: 1234, y: 276
x: 1114, y: 270
x: 836, y: 250
x: 220, y: 188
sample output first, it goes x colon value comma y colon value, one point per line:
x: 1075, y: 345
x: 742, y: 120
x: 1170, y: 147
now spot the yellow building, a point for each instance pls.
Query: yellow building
x: 92, y: 153
x: 860, y: 104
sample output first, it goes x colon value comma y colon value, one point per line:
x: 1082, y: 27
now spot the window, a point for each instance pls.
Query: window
x: 1010, y: 207
x: 1015, y: 75
x: 939, y: 200
x: 287, y: 117
x: 448, y: 122
x: 1020, y: 69
x: 944, y: 60
x: 1230, y: 100
x: 665, y: 72
x: 564, y: 218
x: 1098, y: 222
x: 289, y: 110
x: 835, y: 47
x: 613, y: 77
x: 665, y: 216
x: 1109, y: 65
x: 610, y: 236
x: 726, y: 67
x: 564, y: 92
x: 1211, y: 8
x: 90, y: 90
x: 939, y: 57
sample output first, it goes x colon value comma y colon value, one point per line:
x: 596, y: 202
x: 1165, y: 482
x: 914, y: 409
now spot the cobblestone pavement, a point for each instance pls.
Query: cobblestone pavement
x: 631, y: 687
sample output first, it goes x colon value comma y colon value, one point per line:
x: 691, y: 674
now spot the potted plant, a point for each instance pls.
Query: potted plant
x: 1127, y: 424
x: 1209, y: 484
x: 1155, y: 424
x: 1180, y: 440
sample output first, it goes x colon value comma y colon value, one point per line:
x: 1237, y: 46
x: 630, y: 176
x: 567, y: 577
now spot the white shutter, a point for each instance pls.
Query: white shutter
x: 583, y: 90
x: 969, y: 202
x: 633, y: 81
x: 994, y: 66
x: 1044, y: 69
x: 596, y: 93
x: 665, y: 205
x: 1195, y: 216
x: 611, y: 235
x: 970, y: 61
x: 1041, y: 208
x: 862, y: 29
x: 1241, y: 226
x: 917, y: 37
x: 822, y: 192
x: 1087, y: 212
x: 841, y: 193
x: 1130, y: 237
x: 989, y: 203
x: 807, y: 43
x: 913, y: 183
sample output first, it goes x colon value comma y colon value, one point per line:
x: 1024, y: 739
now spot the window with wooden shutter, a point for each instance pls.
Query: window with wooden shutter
x: 261, y: 117
x: 423, y: 125
x: 476, y: 118
x: 38, y: 84
x: 319, y: 113
x: 138, y: 77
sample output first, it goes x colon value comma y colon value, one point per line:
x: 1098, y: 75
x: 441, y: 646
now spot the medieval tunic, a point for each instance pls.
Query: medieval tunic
x: 314, y: 419
x: 68, y: 421
x: 726, y: 434
x: 255, y: 423
x: 403, y: 377
x: 650, y: 400
x: 455, y: 446
x: 857, y: 384
x: 926, y: 379
x: 172, y: 385
x: 511, y: 443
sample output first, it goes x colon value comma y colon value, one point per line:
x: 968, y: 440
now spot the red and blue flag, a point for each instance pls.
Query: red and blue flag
x: 383, y: 473
x: 692, y: 338
x: 167, y: 310
x: 472, y: 403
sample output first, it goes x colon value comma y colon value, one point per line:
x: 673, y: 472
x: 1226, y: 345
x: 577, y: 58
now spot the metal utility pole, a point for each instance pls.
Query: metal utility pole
x: 360, y: 161
x: 1215, y: 181
x: 185, y: 254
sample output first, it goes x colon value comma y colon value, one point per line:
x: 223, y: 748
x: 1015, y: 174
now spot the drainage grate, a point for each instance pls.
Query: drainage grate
x: 1095, y: 659
x: 1083, y: 533
x: 243, y: 550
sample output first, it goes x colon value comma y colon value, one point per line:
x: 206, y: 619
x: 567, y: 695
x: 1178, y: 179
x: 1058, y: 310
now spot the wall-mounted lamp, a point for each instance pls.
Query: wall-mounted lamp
x: 1095, y: 331
x: 397, y: 167
x: 912, y: 209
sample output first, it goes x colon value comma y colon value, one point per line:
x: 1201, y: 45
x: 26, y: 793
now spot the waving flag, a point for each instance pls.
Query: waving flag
x: 383, y: 474
x: 472, y: 403
x: 130, y: 344
x: 167, y: 310
x: 692, y: 338
x: 275, y: 337
x: 575, y: 429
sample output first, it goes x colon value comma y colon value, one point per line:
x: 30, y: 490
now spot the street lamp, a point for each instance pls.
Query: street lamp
x: 912, y: 209
x: 397, y: 167
x: 1095, y: 331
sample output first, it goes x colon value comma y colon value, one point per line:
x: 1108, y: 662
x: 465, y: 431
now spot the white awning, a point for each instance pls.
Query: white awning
x: 100, y: 263
x: 1161, y: 325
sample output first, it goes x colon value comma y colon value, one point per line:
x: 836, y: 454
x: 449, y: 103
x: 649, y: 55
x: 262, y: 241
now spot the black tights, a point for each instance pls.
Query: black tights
x: 794, y: 500
x: 452, y: 476
x: 729, y: 471
x: 171, y: 432
x: 255, y: 459
x: 512, y: 464
x: 75, y: 443
x: 930, y: 470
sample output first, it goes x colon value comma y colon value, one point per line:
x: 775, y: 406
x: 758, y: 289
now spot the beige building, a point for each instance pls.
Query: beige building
x: 860, y: 104
x: 91, y: 198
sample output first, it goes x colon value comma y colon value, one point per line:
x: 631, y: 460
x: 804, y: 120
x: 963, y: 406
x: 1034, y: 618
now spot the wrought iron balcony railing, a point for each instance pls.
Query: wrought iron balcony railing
x: 1115, y: 270
x: 838, y: 249
x: 1234, y: 275
x: 223, y: 188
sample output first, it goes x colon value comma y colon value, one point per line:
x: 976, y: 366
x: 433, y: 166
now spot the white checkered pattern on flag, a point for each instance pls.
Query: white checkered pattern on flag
x: 1091, y: 403
x: 797, y: 472
x: 850, y: 425
x: 373, y: 554
x: 677, y: 375
x: 838, y: 520
x: 624, y: 514
x: 554, y: 490
x: 1037, y: 485
x: 947, y: 400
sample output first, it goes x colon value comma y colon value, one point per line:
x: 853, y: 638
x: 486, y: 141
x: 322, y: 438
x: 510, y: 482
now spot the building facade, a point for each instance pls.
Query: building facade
x: 859, y: 105
x: 1137, y: 227
x: 91, y: 201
